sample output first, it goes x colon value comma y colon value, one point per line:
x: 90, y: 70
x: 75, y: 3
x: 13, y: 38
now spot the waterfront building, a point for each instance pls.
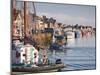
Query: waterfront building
x: 18, y: 24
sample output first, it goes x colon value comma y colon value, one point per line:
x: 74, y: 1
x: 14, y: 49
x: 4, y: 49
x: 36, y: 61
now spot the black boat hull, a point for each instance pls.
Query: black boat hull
x: 48, y: 68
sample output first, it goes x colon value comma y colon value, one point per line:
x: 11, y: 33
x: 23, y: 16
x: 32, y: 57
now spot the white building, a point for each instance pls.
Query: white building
x: 18, y: 24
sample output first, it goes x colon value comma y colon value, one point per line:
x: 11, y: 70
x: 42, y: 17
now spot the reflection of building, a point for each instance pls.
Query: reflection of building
x: 18, y: 24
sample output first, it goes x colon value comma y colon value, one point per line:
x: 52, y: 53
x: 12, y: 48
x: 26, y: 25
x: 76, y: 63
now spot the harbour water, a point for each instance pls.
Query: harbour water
x: 80, y: 54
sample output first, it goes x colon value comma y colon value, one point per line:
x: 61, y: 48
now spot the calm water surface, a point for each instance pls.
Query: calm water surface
x: 79, y: 54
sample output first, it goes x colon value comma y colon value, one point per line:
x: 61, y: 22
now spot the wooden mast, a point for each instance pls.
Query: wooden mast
x: 25, y: 30
x: 12, y: 18
x: 35, y: 15
x: 34, y: 9
x: 25, y: 26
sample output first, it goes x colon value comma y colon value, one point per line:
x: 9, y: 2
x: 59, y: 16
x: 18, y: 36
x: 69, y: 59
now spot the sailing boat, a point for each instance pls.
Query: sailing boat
x: 41, y: 68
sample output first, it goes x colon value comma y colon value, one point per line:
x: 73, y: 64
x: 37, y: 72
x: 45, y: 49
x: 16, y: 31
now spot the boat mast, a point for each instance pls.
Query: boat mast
x: 34, y: 9
x: 34, y: 15
x: 25, y: 25
x: 12, y: 18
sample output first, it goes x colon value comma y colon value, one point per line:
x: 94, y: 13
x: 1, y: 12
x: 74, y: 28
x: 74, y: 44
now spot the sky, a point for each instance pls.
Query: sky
x: 64, y: 13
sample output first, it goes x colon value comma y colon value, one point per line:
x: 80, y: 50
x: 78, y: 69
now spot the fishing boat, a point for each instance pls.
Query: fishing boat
x: 56, y: 46
x: 70, y: 34
x: 46, y: 68
x: 58, y: 43
x: 40, y: 67
x: 21, y: 66
x: 28, y: 53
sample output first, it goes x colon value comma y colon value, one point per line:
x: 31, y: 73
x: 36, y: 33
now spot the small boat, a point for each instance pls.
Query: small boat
x: 56, y: 46
x: 58, y: 43
x: 46, y: 68
x: 70, y: 34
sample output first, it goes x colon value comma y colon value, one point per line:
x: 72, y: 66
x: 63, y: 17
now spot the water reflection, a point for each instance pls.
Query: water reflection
x: 79, y: 54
